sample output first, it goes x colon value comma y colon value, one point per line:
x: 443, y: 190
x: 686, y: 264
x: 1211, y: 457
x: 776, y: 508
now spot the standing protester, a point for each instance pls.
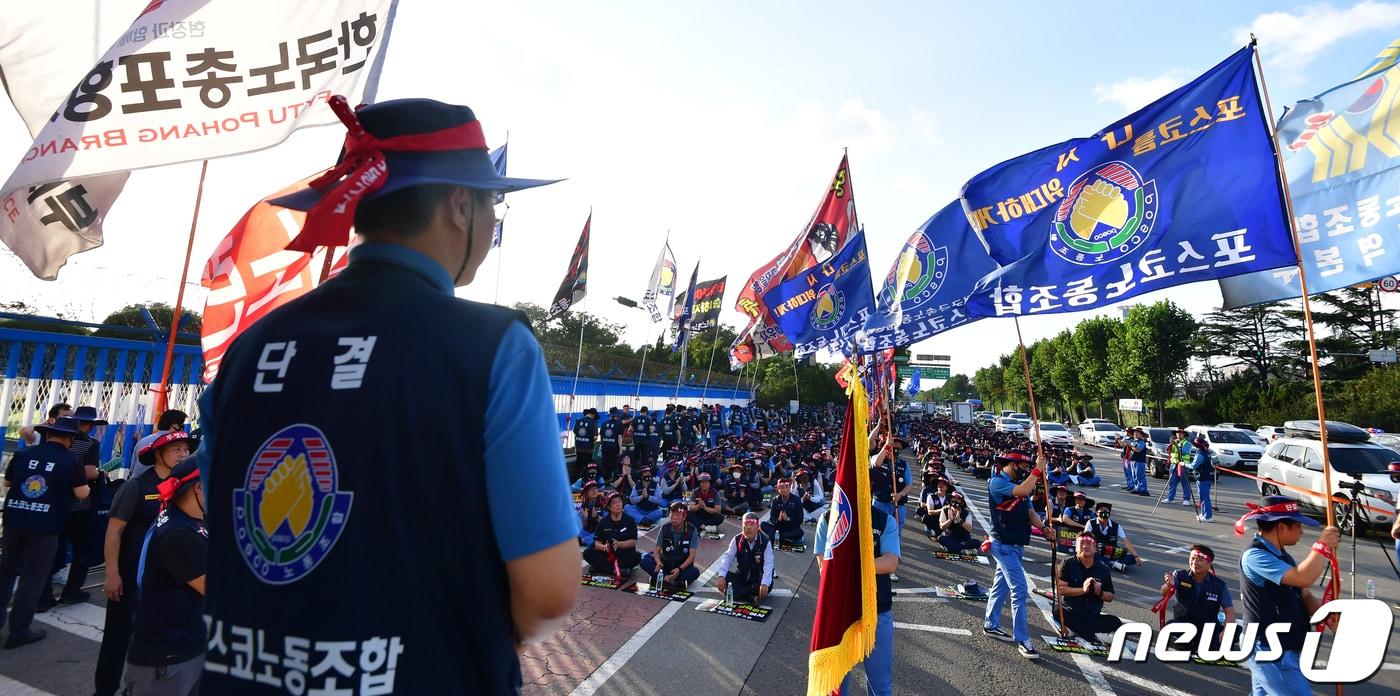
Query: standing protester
x: 166, y: 657
x: 1200, y: 595
x: 29, y: 434
x: 378, y: 428
x: 642, y: 429
x: 677, y: 545
x: 170, y: 421
x: 668, y: 428
x: 610, y: 444
x: 79, y: 520
x: 879, y: 664
x: 585, y: 434
x: 1012, y: 519
x: 1203, y: 466
x: 1086, y: 585
x: 134, y: 509
x: 716, y: 423
x: 1275, y: 589
x: 1178, y: 460
x: 1137, y: 459
x: 44, y: 480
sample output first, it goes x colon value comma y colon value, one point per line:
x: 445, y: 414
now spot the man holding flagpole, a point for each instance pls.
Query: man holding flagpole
x: 1012, y: 519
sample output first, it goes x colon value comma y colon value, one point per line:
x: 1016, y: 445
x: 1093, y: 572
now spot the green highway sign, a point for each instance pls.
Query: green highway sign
x: 901, y: 359
x: 906, y: 371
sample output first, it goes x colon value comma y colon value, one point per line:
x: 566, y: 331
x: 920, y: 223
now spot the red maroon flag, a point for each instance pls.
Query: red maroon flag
x: 843, y: 630
x: 252, y: 273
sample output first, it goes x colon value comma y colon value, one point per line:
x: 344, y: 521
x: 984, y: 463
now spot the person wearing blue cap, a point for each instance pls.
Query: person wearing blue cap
x: 44, y: 480
x: 1275, y: 589
x: 166, y: 655
x: 380, y: 429
x: 1203, y: 466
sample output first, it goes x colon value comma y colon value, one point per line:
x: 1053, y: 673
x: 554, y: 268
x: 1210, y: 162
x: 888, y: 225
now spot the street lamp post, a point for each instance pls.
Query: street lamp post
x: 646, y: 348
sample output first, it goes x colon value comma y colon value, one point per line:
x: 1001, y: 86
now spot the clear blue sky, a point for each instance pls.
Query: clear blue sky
x: 723, y: 121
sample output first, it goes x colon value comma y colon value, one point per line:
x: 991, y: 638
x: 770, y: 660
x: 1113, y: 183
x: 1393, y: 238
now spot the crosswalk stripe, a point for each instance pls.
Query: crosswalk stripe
x: 10, y: 687
x: 82, y: 619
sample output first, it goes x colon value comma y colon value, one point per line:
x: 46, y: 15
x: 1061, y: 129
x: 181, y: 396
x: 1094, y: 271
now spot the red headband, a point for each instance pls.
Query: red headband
x: 1256, y: 510
x: 362, y: 171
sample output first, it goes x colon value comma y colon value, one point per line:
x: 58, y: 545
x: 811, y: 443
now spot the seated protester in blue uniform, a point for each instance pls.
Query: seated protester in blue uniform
x: 785, y: 516
x: 585, y: 436
x: 673, y: 484
x: 134, y: 509
x: 624, y: 482
x: 378, y: 402
x: 1277, y: 589
x: 1057, y: 476
x: 934, y: 499
x: 610, y: 441
x: 1059, y: 503
x: 1084, y: 473
x: 646, y: 506
x: 879, y: 664
x: 43, y: 480
x: 590, y: 474
x: 590, y: 510
x: 1078, y: 515
x: 955, y: 526
x: 1200, y: 596
x: 735, y: 500
x: 167, y: 648
x: 614, y: 540
x: 706, y: 511
x: 745, y: 571
x: 677, y: 545
x: 982, y: 465
x: 1111, y: 537
x: 808, y: 489
x: 1086, y: 585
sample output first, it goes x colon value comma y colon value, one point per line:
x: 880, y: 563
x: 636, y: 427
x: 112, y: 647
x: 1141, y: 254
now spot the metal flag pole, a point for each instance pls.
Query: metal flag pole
x: 578, y: 367
x: 501, y: 248
x: 795, y: 383
x: 1049, y: 501
x: 685, y: 359
x: 162, y: 389
x: 704, y: 393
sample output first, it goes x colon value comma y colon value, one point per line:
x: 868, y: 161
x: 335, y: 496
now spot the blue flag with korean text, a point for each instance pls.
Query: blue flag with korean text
x: 824, y: 306
x: 1183, y: 190
x: 914, y: 382
x: 1341, y: 150
x: 932, y: 277
x: 498, y: 160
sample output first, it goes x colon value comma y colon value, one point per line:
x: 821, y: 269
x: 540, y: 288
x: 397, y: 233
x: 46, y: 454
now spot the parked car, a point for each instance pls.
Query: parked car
x: 1007, y: 424
x: 1256, y: 437
x: 1053, y: 433
x: 1100, y: 432
x: 1232, y: 448
x: 1296, y: 460
x: 1270, y: 432
x: 1158, y: 440
x: 1390, y: 440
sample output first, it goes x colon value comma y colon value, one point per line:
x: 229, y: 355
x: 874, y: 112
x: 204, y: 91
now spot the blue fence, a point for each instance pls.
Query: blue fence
x: 116, y: 376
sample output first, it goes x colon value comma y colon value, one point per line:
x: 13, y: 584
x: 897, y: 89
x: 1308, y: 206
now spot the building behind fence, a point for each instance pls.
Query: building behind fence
x: 117, y: 375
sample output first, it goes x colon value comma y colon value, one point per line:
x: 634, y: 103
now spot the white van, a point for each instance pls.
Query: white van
x: 1232, y: 448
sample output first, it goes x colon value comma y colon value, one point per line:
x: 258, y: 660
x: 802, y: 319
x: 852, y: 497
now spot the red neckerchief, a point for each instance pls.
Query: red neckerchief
x: 362, y: 171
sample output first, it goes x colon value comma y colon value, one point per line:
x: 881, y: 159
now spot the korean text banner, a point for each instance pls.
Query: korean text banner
x: 195, y: 80
x: 662, y: 284
x: 709, y: 298
x: 935, y: 272
x: 1186, y: 189
x: 47, y: 225
x: 1341, y: 150
x: 824, y: 306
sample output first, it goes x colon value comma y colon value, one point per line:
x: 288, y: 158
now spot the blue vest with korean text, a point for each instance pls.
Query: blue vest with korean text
x: 349, y: 527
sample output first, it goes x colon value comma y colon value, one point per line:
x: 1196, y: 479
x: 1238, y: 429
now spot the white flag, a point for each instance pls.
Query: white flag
x: 663, y: 284
x: 190, y: 80
x: 48, y: 224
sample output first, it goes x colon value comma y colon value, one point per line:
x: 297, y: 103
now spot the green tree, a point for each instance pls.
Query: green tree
x: 1065, y: 375
x: 1013, y: 375
x: 36, y: 324
x: 131, y: 316
x: 1256, y: 336
x: 1349, y: 322
x: 989, y: 384
x: 1153, y: 351
x: 1047, y: 396
x: 1091, y: 360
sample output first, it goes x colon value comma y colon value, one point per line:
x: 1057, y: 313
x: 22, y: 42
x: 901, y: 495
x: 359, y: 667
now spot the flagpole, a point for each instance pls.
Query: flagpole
x: 1040, y: 461
x: 578, y: 365
x: 162, y: 390
x: 685, y: 358
x: 646, y: 348
x: 706, y: 391
x: 795, y: 383
x: 501, y: 248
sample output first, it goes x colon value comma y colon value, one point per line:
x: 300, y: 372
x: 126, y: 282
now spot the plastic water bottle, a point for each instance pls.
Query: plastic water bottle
x: 1370, y: 589
x: 1220, y: 617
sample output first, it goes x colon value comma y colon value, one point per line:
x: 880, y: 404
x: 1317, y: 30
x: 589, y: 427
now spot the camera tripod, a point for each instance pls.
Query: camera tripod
x: 1357, y: 513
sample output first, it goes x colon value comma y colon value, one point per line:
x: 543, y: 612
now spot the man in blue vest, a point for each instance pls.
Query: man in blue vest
x: 44, y: 480
x: 1012, y: 519
x: 785, y: 516
x: 736, y: 420
x: 1137, y: 461
x: 378, y: 428
x: 585, y: 434
x: 1276, y: 589
x: 716, y: 424
x: 610, y: 441
x: 166, y: 655
x: 669, y: 428
x: 677, y: 546
x: 1203, y: 467
x: 746, y: 569
x: 1201, y: 596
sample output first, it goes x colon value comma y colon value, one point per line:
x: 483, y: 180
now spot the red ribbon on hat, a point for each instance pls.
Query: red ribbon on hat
x: 362, y: 171
x: 1257, y: 510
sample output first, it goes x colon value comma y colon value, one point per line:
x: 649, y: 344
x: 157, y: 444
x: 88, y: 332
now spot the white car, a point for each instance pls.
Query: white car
x: 1390, y: 440
x: 1100, y: 432
x: 1007, y: 424
x: 1053, y: 433
x: 1270, y: 433
x: 1232, y: 448
x: 1249, y: 428
x: 1295, y: 460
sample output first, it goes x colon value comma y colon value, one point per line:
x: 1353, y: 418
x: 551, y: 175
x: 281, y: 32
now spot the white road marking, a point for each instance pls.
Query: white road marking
x: 780, y: 592
x: 922, y: 600
x: 1135, y: 680
x: 10, y: 687
x: 933, y: 629
x: 916, y: 590
x: 81, y: 619
x: 618, y: 659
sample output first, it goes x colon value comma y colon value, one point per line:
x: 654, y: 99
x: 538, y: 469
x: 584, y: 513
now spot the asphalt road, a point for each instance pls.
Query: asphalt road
x: 670, y: 647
